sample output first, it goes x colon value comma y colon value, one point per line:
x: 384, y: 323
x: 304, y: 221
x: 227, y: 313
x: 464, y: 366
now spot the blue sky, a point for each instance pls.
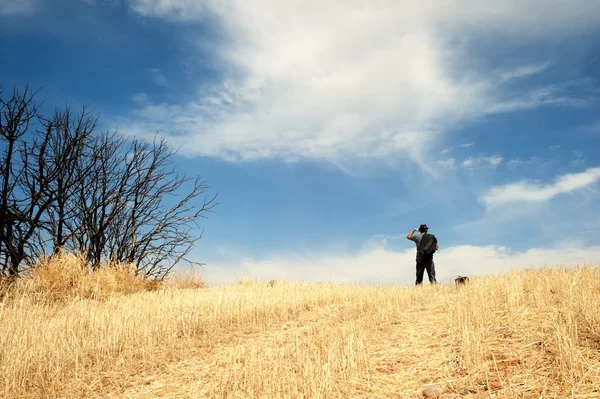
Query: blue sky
x: 332, y: 128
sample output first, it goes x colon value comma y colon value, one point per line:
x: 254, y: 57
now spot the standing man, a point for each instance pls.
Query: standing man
x: 426, y: 247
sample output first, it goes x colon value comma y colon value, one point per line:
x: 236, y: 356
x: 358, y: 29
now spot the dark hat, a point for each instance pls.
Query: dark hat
x: 423, y: 227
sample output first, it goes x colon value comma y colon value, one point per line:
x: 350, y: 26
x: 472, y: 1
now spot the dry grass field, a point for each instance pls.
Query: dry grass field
x: 530, y: 334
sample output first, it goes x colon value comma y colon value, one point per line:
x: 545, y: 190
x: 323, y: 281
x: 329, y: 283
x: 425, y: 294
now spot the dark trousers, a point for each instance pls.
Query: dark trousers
x: 426, y: 264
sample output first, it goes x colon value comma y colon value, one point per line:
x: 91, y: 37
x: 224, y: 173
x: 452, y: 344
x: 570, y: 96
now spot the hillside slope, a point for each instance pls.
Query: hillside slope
x: 527, y: 334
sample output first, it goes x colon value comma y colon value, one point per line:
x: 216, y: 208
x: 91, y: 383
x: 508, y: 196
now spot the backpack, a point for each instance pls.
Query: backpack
x: 426, y: 247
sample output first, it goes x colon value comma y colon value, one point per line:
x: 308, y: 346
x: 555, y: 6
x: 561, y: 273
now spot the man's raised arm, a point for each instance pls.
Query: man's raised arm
x: 409, y: 236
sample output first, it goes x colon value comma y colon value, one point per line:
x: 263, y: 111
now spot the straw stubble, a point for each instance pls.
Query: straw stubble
x: 526, y: 334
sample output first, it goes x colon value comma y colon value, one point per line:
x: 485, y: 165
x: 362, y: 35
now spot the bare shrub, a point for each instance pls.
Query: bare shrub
x: 65, y: 276
x: 184, y: 278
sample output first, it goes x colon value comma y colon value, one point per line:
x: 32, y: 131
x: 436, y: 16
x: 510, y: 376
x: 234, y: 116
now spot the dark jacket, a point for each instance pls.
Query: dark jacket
x: 426, y: 248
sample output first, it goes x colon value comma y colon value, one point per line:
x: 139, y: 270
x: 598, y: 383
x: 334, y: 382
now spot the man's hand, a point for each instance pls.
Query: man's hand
x: 409, y: 236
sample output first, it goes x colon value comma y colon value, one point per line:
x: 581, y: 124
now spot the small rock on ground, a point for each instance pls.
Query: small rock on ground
x: 433, y: 391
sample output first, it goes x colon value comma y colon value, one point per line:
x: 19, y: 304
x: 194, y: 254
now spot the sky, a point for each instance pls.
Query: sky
x: 333, y: 128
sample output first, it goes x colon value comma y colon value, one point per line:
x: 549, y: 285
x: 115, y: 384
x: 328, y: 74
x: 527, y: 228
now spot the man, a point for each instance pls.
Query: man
x: 426, y: 246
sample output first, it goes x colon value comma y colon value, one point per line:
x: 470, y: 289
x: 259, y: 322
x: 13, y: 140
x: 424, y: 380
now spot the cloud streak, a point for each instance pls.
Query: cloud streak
x: 335, y: 80
x: 17, y: 7
x: 532, y: 192
x: 158, y: 77
x: 471, y: 162
x: 524, y: 71
x: 382, y: 266
x: 492, y: 161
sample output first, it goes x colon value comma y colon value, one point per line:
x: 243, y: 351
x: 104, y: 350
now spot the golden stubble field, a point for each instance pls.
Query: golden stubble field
x: 526, y: 334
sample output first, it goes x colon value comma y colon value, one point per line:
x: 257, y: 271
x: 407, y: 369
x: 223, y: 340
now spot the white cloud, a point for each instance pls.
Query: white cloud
x: 591, y: 129
x: 382, y: 266
x: 467, y: 163
x: 17, y: 7
x: 141, y: 99
x: 555, y: 147
x: 515, y: 162
x: 579, y: 160
x: 558, y: 17
x: 532, y: 192
x: 173, y: 9
x: 158, y: 77
x: 335, y: 79
x: 450, y: 149
x: 524, y: 71
x: 549, y: 95
x: 492, y: 161
x: 449, y: 163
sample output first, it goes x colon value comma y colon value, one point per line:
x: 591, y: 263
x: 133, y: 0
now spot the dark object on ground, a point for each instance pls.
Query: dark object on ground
x: 461, y: 280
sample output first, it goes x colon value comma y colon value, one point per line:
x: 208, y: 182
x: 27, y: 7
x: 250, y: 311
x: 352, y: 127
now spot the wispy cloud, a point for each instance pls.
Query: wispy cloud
x: 533, y: 192
x: 579, y: 159
x: 158, y: 77
x: 550, y: 95
x: 524, y: 71
x: 17, y: 7
x: 171, y: 9
x: 516, y: 162
x: 141, y: 99
x: 449, y: 163
x: 450, y: 149
x: 370, y: 81
x: 591, y: 129
x: 107, y: 3
x: 555, y: 147
x: 471, y: 162
x: 383, y: 266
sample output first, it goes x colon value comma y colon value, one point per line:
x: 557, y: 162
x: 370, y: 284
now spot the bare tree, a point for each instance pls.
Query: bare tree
x: 157, y: 228
x: 64, y: 186
x: 40, y: 158
x: 68, y: 148
x: 134, y: 210
x: 17, y: 114
x: 101, y: 195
